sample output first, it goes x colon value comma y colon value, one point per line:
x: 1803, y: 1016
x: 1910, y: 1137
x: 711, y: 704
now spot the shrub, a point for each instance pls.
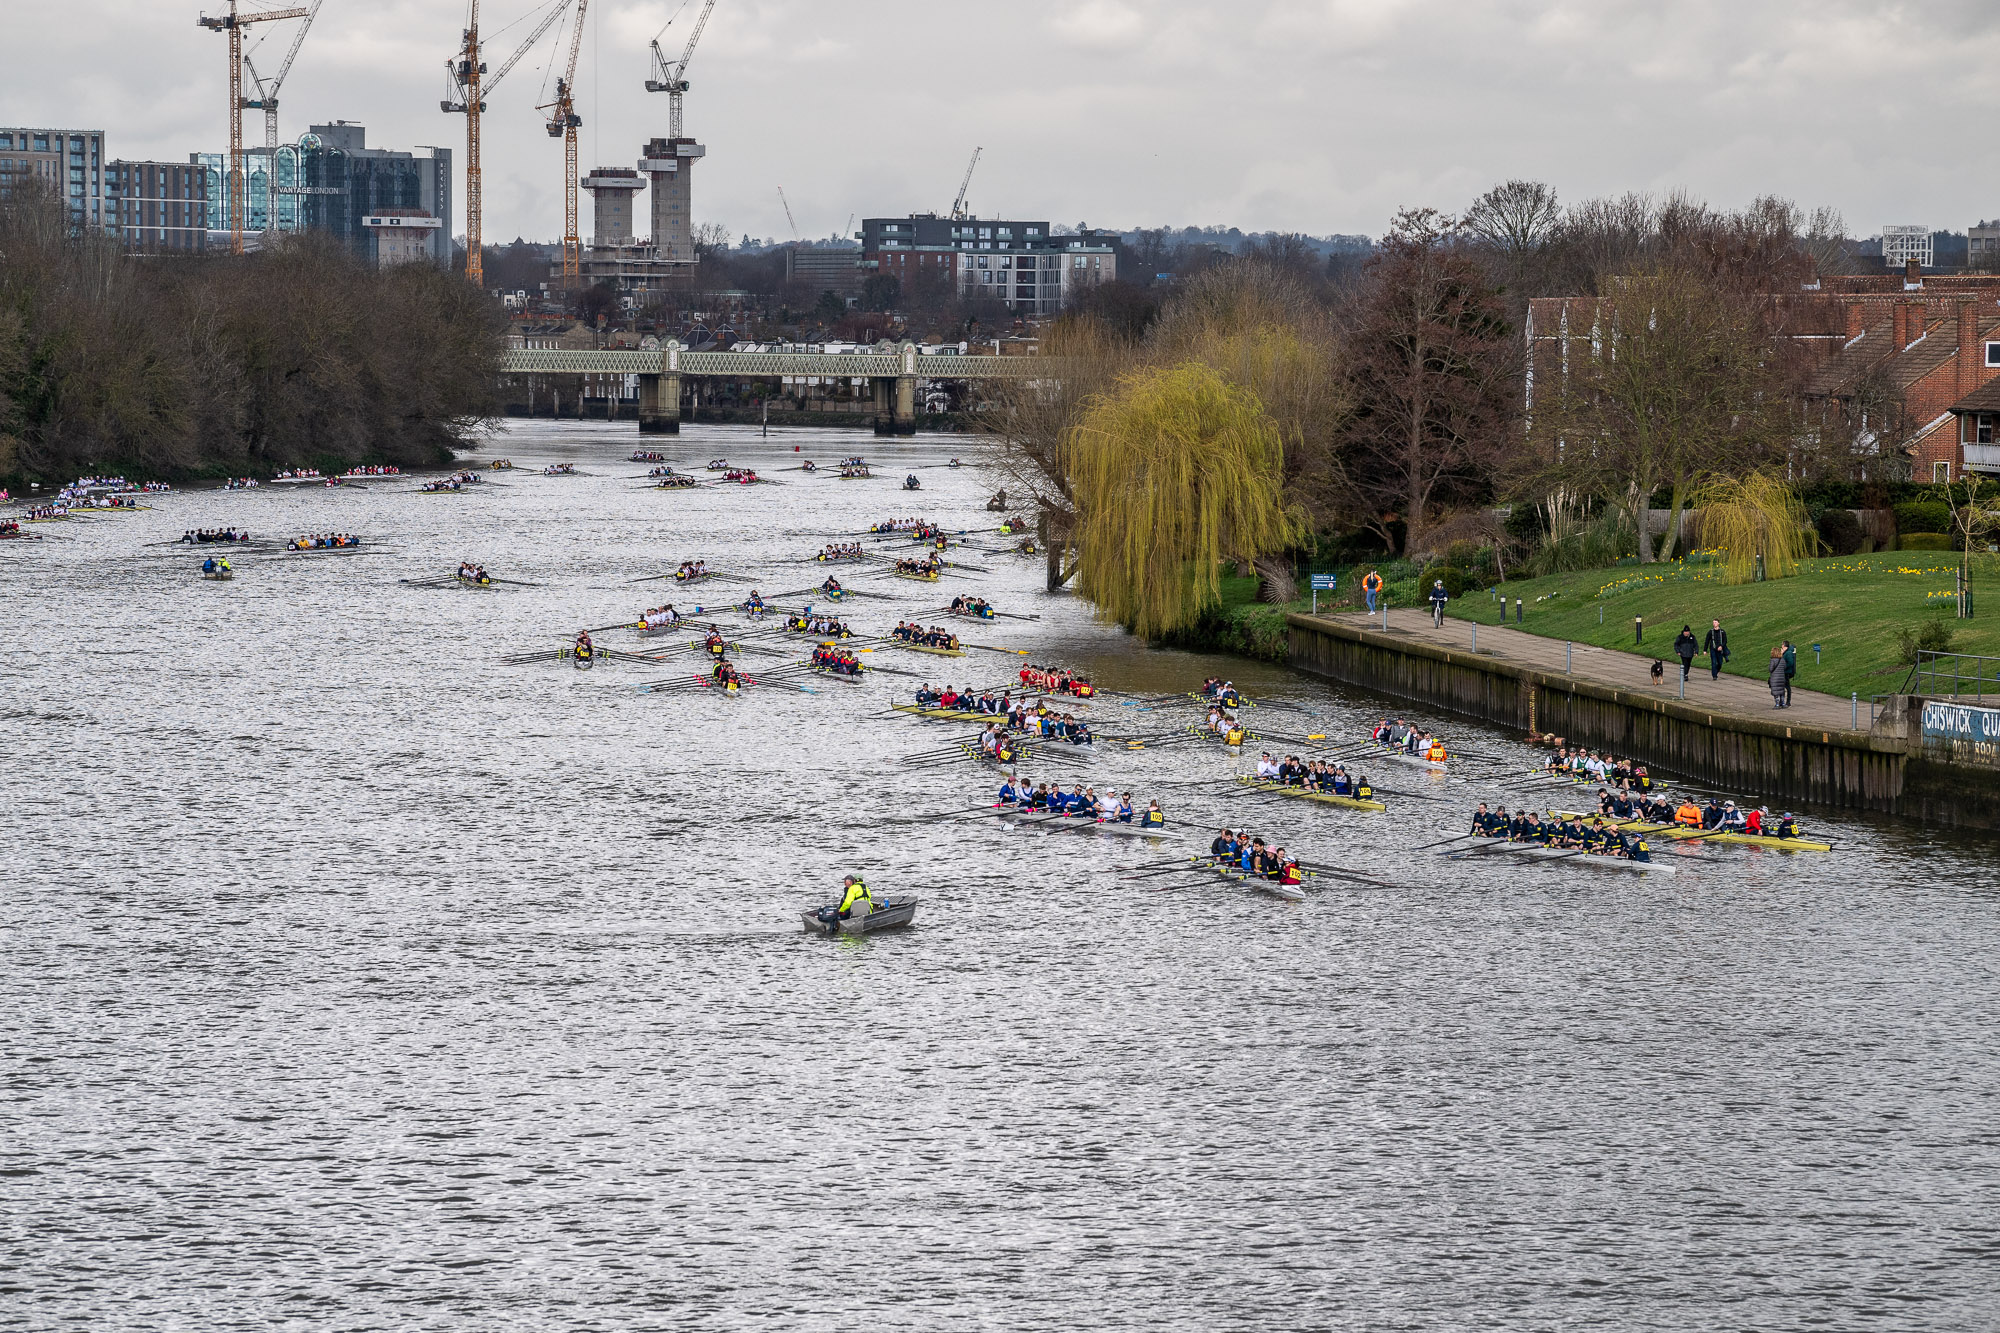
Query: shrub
x: 1933, y: 636
x: 1841, y: 531
x: 1923, y: 516
x: 1461, y: 554
x: 1455, y: 580
x: 1924, y: 541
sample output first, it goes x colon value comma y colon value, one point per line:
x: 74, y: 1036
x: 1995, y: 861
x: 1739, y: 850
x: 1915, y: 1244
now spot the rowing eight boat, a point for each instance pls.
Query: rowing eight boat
x: 1323, y: 797
x: 1681, y: 833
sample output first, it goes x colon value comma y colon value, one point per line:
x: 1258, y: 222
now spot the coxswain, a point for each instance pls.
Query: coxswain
x: 1786, y: 827
x: 1155, y: 817
x: 1362, y: 791
x: 1289, y: 873
x: 715, y: 643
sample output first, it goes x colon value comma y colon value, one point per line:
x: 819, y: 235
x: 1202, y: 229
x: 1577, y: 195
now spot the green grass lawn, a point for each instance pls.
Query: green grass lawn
x: 1851, y: 606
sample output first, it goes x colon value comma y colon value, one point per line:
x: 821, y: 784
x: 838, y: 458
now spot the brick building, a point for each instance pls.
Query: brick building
x: 1928, y: 344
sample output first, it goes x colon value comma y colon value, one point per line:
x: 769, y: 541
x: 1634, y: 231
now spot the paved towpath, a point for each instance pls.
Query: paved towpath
x: 1734, y: 695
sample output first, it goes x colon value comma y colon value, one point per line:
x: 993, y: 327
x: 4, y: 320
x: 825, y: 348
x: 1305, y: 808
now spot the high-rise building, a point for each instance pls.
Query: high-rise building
x: 158, y: 206
x: 72, y: 162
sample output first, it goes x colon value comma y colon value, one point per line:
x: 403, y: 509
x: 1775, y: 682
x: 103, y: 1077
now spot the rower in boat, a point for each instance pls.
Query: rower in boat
x: 585, y: 649
x: 715, y: 643
x: 910, y: 483
x: 753, y: 605
x: 832, y: 587
x: 691, y: 570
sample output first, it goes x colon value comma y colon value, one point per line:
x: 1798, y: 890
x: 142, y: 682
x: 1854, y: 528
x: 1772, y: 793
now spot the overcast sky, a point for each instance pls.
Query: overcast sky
x: 1305, y: 115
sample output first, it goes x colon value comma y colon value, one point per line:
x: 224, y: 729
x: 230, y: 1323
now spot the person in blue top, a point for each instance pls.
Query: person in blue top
x: 1125, y: 808
x: 208, y: 565
x: 1438, y: 598
x: 1007, y: 793
x: 1343, y: 785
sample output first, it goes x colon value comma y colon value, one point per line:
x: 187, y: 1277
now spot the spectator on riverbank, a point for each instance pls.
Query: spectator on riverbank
x: 1371, y: 588
x: 1776, y: 676
x: 1684, y: 649
x: 1791, y: 670
x: 1716, y: 645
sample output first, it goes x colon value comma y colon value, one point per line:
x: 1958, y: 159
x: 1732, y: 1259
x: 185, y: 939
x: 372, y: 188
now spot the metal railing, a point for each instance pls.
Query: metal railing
x: 1954, y: 674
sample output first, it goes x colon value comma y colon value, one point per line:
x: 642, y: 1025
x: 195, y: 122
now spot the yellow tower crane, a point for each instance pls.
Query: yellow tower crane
x: 232, y: 23
x: 466, y: 94
x: 563, y: 122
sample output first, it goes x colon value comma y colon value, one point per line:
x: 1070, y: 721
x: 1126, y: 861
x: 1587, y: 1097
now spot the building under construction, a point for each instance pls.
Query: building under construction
x: 615, y: 254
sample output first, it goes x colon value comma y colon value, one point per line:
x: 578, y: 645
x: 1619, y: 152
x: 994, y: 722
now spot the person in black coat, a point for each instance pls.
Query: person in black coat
x: 1716, y: 645
x: 1684, y: 647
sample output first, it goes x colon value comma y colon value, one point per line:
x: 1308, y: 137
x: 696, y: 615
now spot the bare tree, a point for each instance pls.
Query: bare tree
x: 1517, y: 218
x: 1032, y: 419
x: 1678, y: 382
x: 1433, y: 376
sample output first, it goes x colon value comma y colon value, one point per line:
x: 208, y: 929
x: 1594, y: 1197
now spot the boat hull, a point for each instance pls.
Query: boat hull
x: 892, y: 914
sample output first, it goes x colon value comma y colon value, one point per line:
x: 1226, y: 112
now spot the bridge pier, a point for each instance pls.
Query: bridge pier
x: 895, y: 404
x: 659, y: 404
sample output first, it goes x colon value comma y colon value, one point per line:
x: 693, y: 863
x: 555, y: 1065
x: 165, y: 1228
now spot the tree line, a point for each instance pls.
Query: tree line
x: 1398, y: 392
x: 187, y: 366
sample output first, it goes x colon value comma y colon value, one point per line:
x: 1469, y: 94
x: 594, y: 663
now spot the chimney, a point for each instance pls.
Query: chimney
x: 1899, y: 321
x: 1913, y: 272
x: 1855, y: 321
x: 1971, y: 357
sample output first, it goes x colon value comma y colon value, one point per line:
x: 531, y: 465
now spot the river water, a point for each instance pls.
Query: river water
x: 355, y: 980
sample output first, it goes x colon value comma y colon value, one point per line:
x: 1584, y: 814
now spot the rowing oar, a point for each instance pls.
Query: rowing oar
x: 1011, y: 652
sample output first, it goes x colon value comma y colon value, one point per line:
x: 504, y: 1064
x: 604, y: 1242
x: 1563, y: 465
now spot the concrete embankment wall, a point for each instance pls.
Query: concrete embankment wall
x: 1857, y: 769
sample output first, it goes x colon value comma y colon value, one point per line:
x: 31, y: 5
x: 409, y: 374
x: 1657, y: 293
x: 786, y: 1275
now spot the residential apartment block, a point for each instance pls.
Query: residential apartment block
x: 72, y: 162
x: 1018, y: 263
x: 159, y: 207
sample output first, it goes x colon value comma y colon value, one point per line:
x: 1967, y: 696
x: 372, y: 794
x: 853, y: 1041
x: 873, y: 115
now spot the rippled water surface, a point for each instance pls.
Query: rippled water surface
x: 353, y: 979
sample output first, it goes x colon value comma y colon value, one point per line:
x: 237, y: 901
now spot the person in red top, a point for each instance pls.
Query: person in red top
x: 1753, y: 821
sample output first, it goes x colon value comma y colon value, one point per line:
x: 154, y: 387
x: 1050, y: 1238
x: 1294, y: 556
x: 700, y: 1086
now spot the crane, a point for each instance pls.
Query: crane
x: 232, y: 23
x: 672, y: 79
x: 958, y: 204
x: 267, y: 93
x: 563, y: 122
x: 464, y: 73
x: 788, y: 213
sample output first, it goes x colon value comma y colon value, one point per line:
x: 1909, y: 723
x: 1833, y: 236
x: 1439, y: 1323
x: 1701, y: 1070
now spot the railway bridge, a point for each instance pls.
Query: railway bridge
x: 892, y: 375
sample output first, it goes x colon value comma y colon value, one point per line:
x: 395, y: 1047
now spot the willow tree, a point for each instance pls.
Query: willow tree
x: 1175, y: 471
x: 1752, y: 520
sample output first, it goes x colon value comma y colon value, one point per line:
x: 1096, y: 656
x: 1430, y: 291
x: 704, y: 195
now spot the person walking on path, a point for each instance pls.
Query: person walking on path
x: 1684, y: 649
x: 1371, y: 588
x: 1438, y: 598
x: 1716, y: 645
x: 1776, y: 676
x: 1791, y: 669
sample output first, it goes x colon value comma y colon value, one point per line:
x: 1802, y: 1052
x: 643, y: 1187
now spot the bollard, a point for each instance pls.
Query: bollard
x: 1475, y: 636
x: 1517, y: 610
x: 1856, y: 699
x: 1684, y: 683
x: 1600, y: 615
x: 1568, y: 650
x: 1638, y: 629
x: 1385, y: 611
